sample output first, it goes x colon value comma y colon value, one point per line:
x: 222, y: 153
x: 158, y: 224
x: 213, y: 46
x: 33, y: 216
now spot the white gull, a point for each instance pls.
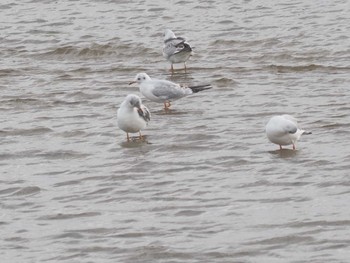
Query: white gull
x: 283, y: 130
x: 132, y: 116
x: 164, y: 91
x: 176, y: 49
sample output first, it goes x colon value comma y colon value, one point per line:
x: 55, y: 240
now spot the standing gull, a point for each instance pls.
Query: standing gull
x: 132, y: 116
x: 176, y: 49
x: 164, y: 91
x: 283, y: 130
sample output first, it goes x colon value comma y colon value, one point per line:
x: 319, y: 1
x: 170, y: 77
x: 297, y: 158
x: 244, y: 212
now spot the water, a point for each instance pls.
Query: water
x: 206, y: 185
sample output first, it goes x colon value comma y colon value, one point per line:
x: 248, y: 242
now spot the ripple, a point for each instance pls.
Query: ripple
x: 30, y: 190
x: 25, y: 132
x: 188, y: 213
x: 68, y: 216
x: 306, y: 68
x: 206, y: 185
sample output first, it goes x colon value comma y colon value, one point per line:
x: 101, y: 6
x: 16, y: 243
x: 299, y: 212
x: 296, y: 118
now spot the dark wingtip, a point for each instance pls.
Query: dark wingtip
x: 198, y: 88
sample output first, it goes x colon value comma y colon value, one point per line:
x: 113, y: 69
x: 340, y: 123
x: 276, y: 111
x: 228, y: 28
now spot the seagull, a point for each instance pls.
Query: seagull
x: 176, y: 49
x: 283, y: 130
x: 164, y: 91
x: 132, y: 116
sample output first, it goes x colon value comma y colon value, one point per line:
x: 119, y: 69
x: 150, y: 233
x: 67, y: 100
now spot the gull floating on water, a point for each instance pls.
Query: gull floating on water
x: 164, y: 91
x: 176, y: 49
x: 283, y: 130
x: 132, y: 116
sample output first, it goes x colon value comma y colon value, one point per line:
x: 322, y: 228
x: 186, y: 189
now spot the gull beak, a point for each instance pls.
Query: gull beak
x: 132, y: 82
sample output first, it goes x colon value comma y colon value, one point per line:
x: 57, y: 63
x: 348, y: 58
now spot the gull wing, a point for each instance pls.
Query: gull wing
x: 144, y: 113
x: 175, y: 45
x: 167, y: 90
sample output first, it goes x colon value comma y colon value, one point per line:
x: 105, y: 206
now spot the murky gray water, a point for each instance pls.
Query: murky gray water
x: 207, y: 186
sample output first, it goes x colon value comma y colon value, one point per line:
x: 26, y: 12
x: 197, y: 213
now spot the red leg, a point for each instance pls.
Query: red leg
x: 166, y: 105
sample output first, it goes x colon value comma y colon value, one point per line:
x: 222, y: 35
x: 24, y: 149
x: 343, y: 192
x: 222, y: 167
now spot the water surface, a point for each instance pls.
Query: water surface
x: 206, y: 185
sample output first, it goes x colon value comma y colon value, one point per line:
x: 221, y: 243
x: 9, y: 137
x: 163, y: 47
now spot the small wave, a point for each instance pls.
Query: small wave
x: 94, y: 51
x: 156, y: 9
x: 29, y: 190
x: 9, y: 71
x: 283, y: 240
x: 9, y: 190
x: 68, y: 235
x: 243, y: 43
x: 62, y: 155
x: 333, y: 126
x: 7, y: 6
x: 69, y: 216
x: 25, y: 132
x: 222, y: 42
x: 20, y: 103
x: 226, y: 21
x: 224, y: 82
x: 306, y: 68
x: 188, y: 213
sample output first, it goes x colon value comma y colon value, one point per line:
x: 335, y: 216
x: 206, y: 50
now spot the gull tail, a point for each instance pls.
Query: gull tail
x: 199, y: 88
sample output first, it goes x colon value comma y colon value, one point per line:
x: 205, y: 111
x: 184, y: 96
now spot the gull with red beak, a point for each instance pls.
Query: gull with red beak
x: 164, y: 91
x: 133, y: 116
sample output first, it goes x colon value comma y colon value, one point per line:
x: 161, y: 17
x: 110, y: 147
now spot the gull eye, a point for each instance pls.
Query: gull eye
x: 144, y: 77
x: 138, y: 78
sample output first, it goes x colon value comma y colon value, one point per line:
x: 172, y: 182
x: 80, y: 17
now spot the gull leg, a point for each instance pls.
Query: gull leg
x: 185, y: 67
x: 172, y: 68
x: 127, y: 137
x: 293, y: 146
x: 140, y: 135
x: 166, y: 105
x: 281, y: 147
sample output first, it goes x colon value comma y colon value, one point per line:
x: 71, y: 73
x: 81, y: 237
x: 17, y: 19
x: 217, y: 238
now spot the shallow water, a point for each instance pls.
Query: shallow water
x: 205, y: 185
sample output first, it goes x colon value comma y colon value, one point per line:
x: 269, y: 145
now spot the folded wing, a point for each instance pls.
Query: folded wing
x: 144, y: 113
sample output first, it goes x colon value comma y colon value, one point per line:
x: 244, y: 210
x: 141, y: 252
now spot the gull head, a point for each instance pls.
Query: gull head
x: 141, y: 77
x: 134, y: 101
x: 168, y: 34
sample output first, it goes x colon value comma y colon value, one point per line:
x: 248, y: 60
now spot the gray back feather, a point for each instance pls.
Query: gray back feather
x: 168, y: 90
x: 173, y: 46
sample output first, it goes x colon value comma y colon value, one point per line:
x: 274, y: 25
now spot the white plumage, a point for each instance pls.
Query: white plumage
x: 132, y: 116
x: 283, y: 130
x: 176, y: 49
x: 164, y: 91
